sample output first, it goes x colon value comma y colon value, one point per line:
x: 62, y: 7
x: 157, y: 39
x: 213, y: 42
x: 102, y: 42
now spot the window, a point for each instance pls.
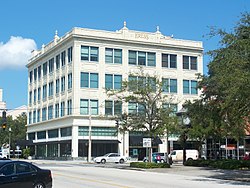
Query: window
x: 136, y: 108
x: 30, y: 117
x: 30, y: 97
x: 35, y: 74
x: 51, y: 87
x: 44, y: 92
x: 41, y: 135
x: 89, y: 80
x: 66, y: 132
x: 23, y: 168
x: 70, y: 81
x: 56, y: 110
x: 113, y: 107
x: 169, y: 85
x: 190, y: 87
x: 34, y: 95
x: 31, y: 73
x: 8, y: 170
x: 172, y: 107
x: 89, y: 53
x: 113, y: 55
x: 63, y: 55
x: 57, y: 86
x: 31, y: 136
x: 50, y: 112
x: 113, y: 81
x: 38, y: 116
x: 53, y: 133
x: 62, y: 109
x: 38, y: 94
x: 45, y: 69
x: 58, y: 61
x: 63, y: 84
x: 44, y: 114
x: 190, y: 62
x: 132, y: 57
x: 169, y: 60
x: 39, y: 72
x: 70, y: 54
x: 141, y: 58
x: 51, y: 65
x: 85, y: 106
x: 69, y: 106
x: 135, y: 83
x: 34, y: 116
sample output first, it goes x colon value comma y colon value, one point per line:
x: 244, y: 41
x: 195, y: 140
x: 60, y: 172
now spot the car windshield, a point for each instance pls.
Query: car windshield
x: 107, y: 154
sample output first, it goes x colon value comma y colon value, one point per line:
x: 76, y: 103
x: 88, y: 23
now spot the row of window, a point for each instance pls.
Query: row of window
x: 50, y: 112
x: 54, y: 133
x: 52, y: 88
x: 53, y: 63
x: 140, y: 58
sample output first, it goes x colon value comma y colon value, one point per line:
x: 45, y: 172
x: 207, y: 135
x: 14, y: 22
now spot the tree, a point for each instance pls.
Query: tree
x: 224, y: 107
x: 144, y: 96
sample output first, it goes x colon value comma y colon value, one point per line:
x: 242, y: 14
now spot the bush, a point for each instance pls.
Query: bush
x: 26, y: 153
x: 149, y: 165
x: 220, y: 164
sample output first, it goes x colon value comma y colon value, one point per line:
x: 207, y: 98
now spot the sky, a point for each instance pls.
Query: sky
x: 27, y: 25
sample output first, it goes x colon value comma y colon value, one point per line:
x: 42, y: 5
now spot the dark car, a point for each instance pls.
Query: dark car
x: 23, y: 174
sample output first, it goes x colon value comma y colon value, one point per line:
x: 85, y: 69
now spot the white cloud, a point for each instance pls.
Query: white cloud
x: 16, y: 52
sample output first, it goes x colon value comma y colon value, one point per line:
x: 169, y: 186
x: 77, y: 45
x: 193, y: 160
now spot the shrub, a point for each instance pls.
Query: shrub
x: 220, y: 164
x: 26, y: 153
x: 149, y: 165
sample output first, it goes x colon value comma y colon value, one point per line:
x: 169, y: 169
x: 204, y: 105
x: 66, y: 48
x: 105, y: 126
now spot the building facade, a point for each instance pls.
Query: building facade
x: 68, y: 107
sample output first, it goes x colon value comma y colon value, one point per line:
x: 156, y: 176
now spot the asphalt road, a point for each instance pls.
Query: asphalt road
x: 81, y: 175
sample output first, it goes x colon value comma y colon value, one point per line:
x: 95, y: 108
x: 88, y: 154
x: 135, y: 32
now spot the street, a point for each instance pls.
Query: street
x: 75, y: 175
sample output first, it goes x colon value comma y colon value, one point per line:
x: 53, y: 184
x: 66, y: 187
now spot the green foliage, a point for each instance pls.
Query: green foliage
x: 26, y: 153
x: 18, y: 130
x: 149, y: 165
x: 220, y: 164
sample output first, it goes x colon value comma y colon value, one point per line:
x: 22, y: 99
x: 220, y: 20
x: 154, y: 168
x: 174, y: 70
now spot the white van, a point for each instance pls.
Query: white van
x: 177, y: 155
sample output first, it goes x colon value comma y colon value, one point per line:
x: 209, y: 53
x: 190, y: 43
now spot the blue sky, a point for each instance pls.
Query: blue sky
x: 27, y: 24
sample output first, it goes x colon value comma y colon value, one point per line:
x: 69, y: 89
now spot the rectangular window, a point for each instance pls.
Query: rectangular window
x: 118, y: 56
x: 57, y: 86
x: 108, y: 81
x: 41, y: 135
x: 35, y: 74
x: 39, y: 72
x: 50, y: 112
x: 142, y: 58
x: 185, y: 60
x: 44, y: 114
x: 45, y: 69
x: 53, y: 133
x: 108, y: 107
x: 186, y: 87
x: 30, y: 117
x: 51, y: 65
x: 34, y: 116
x: 51, y: 88
x: 66, y: 132
x: 44, y: 92
x: 173, y: 61
x: 88, y: 105
x: 164, y: 60
x: 69, y: 106
x: 113, y: 107
x: 190, y: 62
x: 89, y: 53
x: 89, y: 80
x: 93, y: 54
x: 58, y: 61
x: 31, y: 76
x: 38, y: 94
x: 194, y: 87
x: 34, y: 95
x: 117, y: 107
x: 169, y: 60
x: 151, y: 59
x: 85, y: 53
x: 132, y: 57
x: 173, y: 86
x: 63, y: 84
x: 193, y: 63
x: 113, y: 81
x: 132, y: 108
x: 62, y: 109
x: 63, y: 55
x: 38, y: 115
x: 117, y: 81
x: 108, y: 55
x: 165, y: 85
x: 56, y: 110
x: 70, y: 51
x: 70, y: 81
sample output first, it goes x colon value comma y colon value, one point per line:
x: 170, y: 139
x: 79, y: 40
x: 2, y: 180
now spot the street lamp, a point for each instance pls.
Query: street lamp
x: 185, y: 124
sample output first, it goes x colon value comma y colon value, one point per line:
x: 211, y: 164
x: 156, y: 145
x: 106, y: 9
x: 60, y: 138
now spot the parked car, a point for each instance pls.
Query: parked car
x: 23, y: 174
x: 110, y: 157
x: 177, y: 155
x: 157, y: 157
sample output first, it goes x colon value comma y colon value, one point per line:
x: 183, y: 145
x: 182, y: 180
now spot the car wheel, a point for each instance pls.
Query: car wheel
x: 162, y: 161
x: 39, y: 185
x: 121, y: 161
x: 103, y: 161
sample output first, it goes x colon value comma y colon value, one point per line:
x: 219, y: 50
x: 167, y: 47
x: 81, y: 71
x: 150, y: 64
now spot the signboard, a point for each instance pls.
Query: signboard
x: 146, y: 142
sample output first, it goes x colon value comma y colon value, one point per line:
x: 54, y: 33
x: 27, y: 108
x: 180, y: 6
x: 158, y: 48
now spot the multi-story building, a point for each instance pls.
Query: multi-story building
x: 68, y: 107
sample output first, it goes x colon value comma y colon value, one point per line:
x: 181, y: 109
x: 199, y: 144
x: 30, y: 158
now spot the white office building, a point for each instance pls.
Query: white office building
x: 67, y: 105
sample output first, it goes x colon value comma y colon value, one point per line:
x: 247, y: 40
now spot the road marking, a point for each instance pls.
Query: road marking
x: 92, y: 180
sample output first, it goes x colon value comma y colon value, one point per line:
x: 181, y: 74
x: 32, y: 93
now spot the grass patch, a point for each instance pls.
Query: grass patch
x: 149, y: 165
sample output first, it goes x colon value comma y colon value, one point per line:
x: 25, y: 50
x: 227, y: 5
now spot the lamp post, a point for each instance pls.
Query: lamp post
x: 9, y: 140
x: 90, y: 132
x: 185, y: 124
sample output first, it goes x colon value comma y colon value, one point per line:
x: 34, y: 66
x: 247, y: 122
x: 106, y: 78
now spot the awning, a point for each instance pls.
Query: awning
x: 101, y: 141
x: 24, y: 143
